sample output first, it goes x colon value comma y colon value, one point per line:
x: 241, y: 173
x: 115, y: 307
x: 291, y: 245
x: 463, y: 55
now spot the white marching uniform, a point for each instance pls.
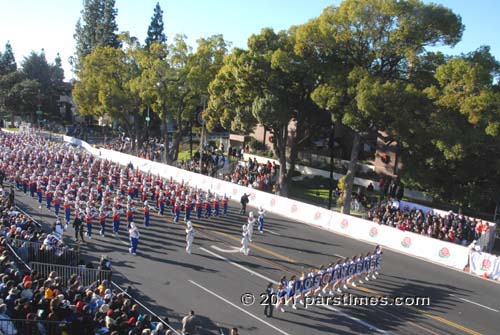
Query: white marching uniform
x: 190, y: 233
x: 251, y: 222
x: 245, y: 241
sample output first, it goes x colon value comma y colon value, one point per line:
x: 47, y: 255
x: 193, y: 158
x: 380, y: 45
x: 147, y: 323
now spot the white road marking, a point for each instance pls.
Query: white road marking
x: 339, y: 256
x: 239, y: 266
x: 272, y: 232
x: 117, y: 237
x: 231, y: 251
x: 239, y: 308
x: 476, y: 303
x: 361, y: 322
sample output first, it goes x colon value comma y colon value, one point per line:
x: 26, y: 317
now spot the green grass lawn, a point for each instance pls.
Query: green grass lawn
x: 315, y: 192
x: 184, y: 155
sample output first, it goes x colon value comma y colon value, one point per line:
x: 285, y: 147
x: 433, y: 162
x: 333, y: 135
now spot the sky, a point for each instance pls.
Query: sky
x: 33, y: 25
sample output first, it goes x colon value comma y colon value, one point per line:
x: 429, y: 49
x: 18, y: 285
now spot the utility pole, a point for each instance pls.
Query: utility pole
x: 332, y: 151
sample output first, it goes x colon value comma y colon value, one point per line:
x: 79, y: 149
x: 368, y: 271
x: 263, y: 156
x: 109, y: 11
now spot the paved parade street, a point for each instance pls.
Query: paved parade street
x: 212, y: 280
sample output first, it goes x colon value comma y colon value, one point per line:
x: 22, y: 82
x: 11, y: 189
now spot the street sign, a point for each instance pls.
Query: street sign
x: 39, y: 112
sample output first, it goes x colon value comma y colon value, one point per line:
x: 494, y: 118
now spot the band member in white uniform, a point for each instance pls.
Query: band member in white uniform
x: 251, y: 221
x: 245, y: 241
x: 134, y: 238
x: 190, y: 233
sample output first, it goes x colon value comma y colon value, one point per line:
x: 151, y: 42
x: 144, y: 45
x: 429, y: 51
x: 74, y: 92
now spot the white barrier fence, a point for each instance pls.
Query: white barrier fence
x: 441, y: 252
x: 484, y: 264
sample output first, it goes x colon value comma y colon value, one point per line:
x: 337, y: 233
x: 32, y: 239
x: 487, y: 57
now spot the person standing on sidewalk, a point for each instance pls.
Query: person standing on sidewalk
x: 268, y: 310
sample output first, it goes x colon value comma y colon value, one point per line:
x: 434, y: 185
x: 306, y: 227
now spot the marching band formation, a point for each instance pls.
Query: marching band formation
x: 72, y: 183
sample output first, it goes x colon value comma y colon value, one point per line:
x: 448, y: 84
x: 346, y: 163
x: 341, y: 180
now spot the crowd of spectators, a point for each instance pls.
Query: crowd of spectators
x: 57, y: 307
x: 451, y: 227
x: 48, y: 305
x: 212, y: 161
x: 23, y: 233
x: 255, y: 175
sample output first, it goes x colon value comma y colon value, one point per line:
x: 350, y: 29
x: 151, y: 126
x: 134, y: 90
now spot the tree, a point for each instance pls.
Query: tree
x: 464, y: 131
x: 271, y: 85
x: 50, y: 78
x: 380, y: 39
x: 151, y: 85
x: 7, y: 60
x: 104, y: 88
x: 96, y: 27
x: 108, y: 28
x: 155, y: 29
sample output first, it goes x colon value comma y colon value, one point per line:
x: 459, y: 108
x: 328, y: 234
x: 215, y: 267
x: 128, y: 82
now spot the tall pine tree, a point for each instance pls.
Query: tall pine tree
x: 7, y: 60
x: 96, y: 27
x: 109, y: 27
x: 155, y: 29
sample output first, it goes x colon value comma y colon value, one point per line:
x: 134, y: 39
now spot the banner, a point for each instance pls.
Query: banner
x: 341, y: 271
x: 481, y: 263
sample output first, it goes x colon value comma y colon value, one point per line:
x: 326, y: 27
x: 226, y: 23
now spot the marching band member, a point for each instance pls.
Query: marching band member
x: 88, y: 221
x: 129, y: 214
x: 224, y: 205
x: 177, y: 211
x: 188, y: 204
x: 216, y: 206
x: 190, y: 233
x: 134, y: 238
x: 146, y: 213
x: 198, y: 207
x: 116, y: 221
x: 208, y: 208
x: 67, y: 210
x: 245, y: 241
x: 57, y: 204
x: 251, y: 221
x: 161, y: 203
x: 261, y: 219
x: 102, y: 220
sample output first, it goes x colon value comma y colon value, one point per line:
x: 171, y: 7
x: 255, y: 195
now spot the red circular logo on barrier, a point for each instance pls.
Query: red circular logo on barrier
x: 373, y: 232
x: 253, y: 196
x: 444, y: 252
x: 317, y: 216
x: 294, y: 208
x: 273, y: 202
x: 485, y: 265
x: 406, y: 242
x: 344, y: 224
x: 235, y: 190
